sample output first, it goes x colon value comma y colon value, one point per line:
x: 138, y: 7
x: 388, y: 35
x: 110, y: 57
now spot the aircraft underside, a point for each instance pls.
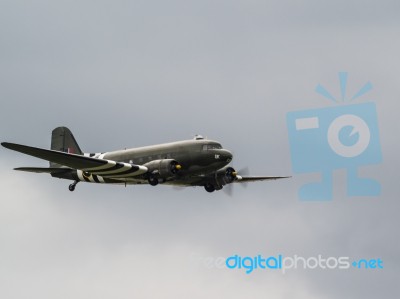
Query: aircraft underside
x: 222, y: 177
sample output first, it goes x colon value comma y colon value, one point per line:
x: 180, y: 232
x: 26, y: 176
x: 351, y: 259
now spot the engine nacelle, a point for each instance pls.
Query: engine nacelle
x: 225, y: 176
x: 163, y: 168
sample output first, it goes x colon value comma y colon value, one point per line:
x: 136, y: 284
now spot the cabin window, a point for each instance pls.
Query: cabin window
x: 211, y: 147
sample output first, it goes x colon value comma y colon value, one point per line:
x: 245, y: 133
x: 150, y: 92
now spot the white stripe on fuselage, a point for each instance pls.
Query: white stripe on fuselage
x: 125, y: 167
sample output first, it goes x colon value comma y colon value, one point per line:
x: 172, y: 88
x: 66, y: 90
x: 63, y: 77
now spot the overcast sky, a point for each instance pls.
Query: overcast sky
x: 131, y: 73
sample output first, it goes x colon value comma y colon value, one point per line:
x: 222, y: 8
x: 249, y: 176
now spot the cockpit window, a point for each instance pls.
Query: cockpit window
x: 211, y: 147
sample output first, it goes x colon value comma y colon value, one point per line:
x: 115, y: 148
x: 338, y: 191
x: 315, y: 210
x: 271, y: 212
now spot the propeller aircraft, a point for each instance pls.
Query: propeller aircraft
x: 196, y: 162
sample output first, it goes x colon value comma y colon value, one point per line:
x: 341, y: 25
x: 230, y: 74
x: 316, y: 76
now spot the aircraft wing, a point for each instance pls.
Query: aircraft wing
x: 246, y: 179
x: 103, y: 167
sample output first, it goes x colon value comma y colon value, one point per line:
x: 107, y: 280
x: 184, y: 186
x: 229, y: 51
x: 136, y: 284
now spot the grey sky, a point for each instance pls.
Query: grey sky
x: 131, y: 73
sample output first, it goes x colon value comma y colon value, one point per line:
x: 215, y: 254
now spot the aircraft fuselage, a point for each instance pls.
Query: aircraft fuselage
x: 195, y: 156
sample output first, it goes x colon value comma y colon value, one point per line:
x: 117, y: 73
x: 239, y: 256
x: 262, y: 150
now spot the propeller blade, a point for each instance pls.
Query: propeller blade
x: 228, y: 189
x: 243, y: 172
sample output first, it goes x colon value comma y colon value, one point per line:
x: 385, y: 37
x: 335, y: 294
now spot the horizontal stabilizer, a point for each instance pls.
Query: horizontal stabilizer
x: 70, y: 160
x: 43, y: 169
x: 105, y: 168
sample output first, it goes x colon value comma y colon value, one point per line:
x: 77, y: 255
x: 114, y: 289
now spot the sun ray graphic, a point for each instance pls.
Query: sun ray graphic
x: 343, y: 84
x: 367, y: 87
x: 343, y: 88
x: 322, y: 91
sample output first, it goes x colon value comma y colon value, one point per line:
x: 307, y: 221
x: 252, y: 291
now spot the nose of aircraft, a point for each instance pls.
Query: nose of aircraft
x: 225, y: 155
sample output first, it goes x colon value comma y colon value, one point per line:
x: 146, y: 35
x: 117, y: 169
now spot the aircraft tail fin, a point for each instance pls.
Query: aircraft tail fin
x: 63, y: 140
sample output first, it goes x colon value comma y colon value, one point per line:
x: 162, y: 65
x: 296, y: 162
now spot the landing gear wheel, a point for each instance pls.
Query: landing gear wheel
x: 72, y: 186
x: 153, y: 181
x: 209, y: 187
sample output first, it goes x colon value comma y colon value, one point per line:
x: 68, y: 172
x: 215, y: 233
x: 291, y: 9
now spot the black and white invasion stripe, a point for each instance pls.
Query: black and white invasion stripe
x: 112, y: 169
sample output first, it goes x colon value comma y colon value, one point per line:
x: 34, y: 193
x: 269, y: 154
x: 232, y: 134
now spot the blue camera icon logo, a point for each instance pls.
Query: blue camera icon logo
x: 323, y: 140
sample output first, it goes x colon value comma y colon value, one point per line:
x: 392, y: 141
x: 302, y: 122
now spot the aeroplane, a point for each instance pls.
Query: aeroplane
x: 196, y: 162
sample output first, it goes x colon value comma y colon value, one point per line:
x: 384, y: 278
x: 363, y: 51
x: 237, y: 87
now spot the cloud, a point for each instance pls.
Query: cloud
x: 138, y: 73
